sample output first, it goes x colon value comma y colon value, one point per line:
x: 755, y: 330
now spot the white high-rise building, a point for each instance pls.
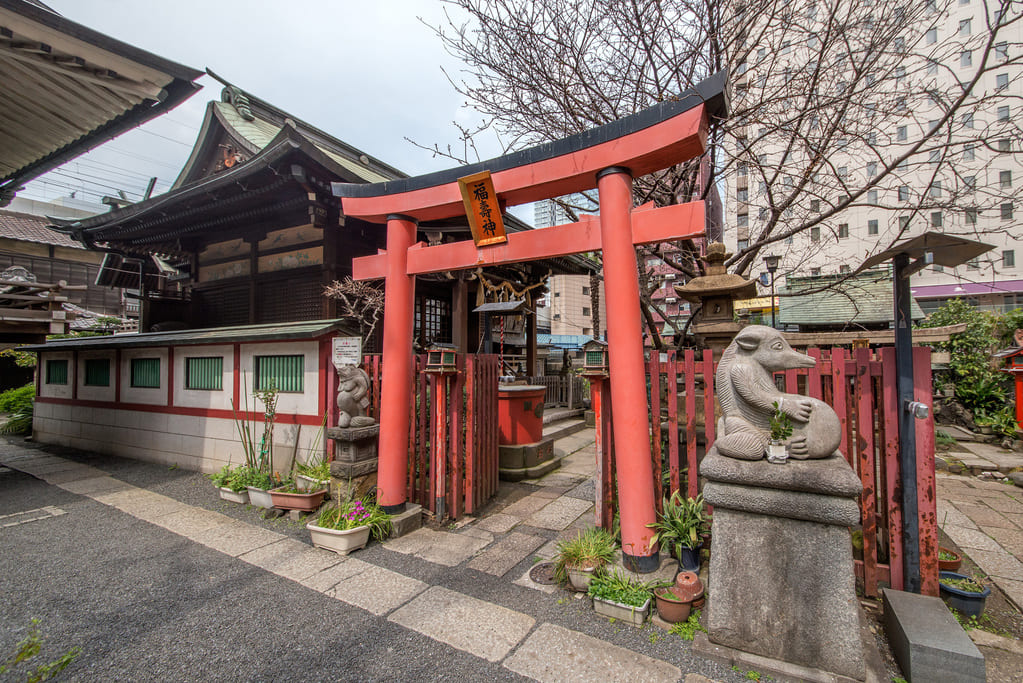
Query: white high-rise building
x: 960, y: 181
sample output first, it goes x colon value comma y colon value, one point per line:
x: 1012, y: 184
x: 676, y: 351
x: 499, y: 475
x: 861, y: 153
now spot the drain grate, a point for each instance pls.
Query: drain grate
x: 543, y: 574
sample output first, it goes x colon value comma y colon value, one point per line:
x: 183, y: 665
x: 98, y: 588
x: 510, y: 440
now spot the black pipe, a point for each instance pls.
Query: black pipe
x: 907, y: 428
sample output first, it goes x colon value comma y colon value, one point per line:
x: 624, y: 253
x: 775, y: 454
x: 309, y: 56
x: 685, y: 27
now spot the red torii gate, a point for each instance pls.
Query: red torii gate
x: 606, y: 157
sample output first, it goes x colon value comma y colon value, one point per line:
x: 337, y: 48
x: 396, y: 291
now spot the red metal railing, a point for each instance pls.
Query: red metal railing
x: 861, y: 388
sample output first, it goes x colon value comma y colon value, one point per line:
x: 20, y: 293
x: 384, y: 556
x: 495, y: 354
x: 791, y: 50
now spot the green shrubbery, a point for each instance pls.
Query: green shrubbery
x: 19, y: 404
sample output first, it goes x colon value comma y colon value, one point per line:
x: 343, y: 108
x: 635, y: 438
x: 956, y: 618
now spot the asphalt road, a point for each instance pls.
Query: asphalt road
x: 145, y: 604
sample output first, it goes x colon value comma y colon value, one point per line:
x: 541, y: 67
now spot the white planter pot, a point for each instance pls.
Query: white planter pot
x: 305, y: 483
x: 260, y: 498
x: 616, y: 610
x: 234, y: 496
x: 580, y: 578
x: 339, y: 541
x: 776, y: 453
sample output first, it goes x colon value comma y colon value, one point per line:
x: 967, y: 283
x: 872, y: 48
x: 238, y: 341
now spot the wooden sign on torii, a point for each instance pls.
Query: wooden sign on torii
x: 607, y: 158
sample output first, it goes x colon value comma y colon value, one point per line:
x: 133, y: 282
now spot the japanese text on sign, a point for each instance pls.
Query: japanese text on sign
x: 481, y: 208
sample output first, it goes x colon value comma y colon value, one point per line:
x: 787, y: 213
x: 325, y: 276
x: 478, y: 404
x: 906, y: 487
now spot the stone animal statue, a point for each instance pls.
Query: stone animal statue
x: 352, y: 397
x: 747, y: 394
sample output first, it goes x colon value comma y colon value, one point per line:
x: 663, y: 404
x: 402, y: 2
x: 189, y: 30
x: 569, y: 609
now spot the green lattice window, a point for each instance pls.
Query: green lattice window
x: 56, y: 371
x: 286, y: 373
x: 145, y: 373
x: 204, y: 372
x: 97, y: 372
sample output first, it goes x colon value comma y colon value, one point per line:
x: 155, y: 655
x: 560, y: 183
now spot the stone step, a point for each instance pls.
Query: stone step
x: 551, y: 415
x: 563, y: 428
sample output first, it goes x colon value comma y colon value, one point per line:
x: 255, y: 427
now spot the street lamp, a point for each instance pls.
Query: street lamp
x: 771, y: 262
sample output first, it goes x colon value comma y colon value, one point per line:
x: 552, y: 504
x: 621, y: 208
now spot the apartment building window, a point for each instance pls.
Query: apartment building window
x: 900, y: 104
x: 872, y: 226
x: 557, y: 294
x: 1003, y: 113
x: 1001, y: 81
x: 742, y: 195
x: 741, y: 244
x: 903, y: 193
x: 935, y: 219
x: 935, y: 156
x: 97, y: 372
x: 1006, y: 211
x: 966, y: 58
x: 740, y: 69
x: 935, y: 190
x: 964, y: 27
x: 899, y: 44
x: 1005, y: 178
x: 811, y: 42
x: 903, y: 223
x: 1004, y: 145
x: 815, y: 233
x: 970, y: 216
x: 843, y: 172
x: 843, y: 269
x: 931, y: 37
x: 1002, y: 51
x: 871, y: 169
x: 761, y: 54
x: 740, y: 143
x: 970, y: 183
x: 967, y: 120
x: 811, y: 12
x: 557, y: 316
x: 900, y: 75
x: 763, y: 213
x: 1009, y: 258
x: 787, y: 181
x: 742, y: 169
x: 815, y: 271
x: 901, y: 134
x: 937, y: 268
x: 932, y: 67
x: 762, y: 187
x: 586, y: 310
x: 788, y: 240
x: 815, y: 205
x: 786, y: 47
x: 843, y: 230
x: 586, y: 291
x: 964, y: 2
x: 970, y: 152
x: 872, y: 137
x: 872, y: 197
x: 742, y: 220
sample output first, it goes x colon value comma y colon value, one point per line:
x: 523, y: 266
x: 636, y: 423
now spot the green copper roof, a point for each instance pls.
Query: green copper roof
x: 864, y: 299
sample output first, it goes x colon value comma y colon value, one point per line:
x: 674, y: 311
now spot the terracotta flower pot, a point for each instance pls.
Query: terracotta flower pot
x: 949, y: 565
x: 669, y: 607
x: 303, y: 502
x: 688, y: 587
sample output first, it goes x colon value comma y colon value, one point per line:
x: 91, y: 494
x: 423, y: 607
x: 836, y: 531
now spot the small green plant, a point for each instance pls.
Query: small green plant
x: 946, y: 556
x: 966, y: 584
x: 983, y: 623
x: 686, y: 630
x: 752, y: 675
x: 899, y: 679
x: 350, y: 514
x: 30, y: 646
x: 943, y: 438
x: 781, y: 424
x: 20, y: 404
x: 617, y: 588
x: 593, y: 548
x: 681, y: 522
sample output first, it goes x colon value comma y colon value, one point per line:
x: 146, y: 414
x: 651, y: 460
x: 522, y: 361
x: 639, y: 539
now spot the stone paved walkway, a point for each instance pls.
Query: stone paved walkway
x: 529, y: 519
x: 985, y: 519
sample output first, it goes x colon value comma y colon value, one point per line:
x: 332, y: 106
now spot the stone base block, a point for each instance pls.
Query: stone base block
x: 785, y: 589
x: 350, y: 470
x: 527, y: 461
x: 347, y: 488
x: 408, y: 521
x: 927, y: 641
x: 590, y: 417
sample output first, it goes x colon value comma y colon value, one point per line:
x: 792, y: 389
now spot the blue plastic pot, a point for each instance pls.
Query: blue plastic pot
x: 970, y: 604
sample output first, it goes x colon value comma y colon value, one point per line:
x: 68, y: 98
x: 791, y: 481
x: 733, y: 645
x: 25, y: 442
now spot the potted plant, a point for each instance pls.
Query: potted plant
x: 963, y: 593
x: 314, y: 473
x: 679, y: 527
x: 949, y: 560
x: 676, y: 600
x: 348, y: 526
x: 231, y: 484
x: 781, y: 429
x: 288, y: 496
x: 580, y: 558
x: 619, y: 597
x: 259, y: 460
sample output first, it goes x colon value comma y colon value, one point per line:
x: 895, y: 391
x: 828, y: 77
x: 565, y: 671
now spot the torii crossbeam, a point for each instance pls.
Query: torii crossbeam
x: 606, y: 158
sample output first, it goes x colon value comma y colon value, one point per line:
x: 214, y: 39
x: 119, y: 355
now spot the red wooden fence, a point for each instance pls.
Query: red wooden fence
x: 861, y: 388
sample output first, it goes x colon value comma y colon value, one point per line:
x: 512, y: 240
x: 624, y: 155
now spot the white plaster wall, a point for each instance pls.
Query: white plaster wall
x: 93, y: 393
x: 130, y: 394
x: 56, y: 390
x: 305, y: 403
x: 203, y: 398
x: 195, y: 443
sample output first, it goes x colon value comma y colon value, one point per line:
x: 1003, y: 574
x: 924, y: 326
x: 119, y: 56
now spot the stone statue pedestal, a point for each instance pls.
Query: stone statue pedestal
x: 781, y: 569
x: 354, y: 468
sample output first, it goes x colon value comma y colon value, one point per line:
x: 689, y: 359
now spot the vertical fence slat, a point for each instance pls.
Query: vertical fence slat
x: 458, y: 428
x: 654, y: 373
x: 426, y: 476
x: 813, y: 376
x: 610, y: 458
x: 600, y: 516
x: 865, y: 448
x: 672, y: 380
x: 792, y: 381
x: 893, y: 487
x: 471, y: 416
x: 692, y: 480
x: 709, y: 417
x: 926, y: 491
x: 840, y: 391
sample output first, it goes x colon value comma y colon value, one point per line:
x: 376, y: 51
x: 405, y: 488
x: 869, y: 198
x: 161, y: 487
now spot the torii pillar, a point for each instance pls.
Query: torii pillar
x: 607, y: 157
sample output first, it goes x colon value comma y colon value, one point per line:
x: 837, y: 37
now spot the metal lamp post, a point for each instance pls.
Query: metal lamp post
x: 771, y: 262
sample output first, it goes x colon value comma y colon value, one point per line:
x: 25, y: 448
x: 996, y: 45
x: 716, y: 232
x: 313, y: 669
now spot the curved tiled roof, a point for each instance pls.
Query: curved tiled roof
x: 29, y: 228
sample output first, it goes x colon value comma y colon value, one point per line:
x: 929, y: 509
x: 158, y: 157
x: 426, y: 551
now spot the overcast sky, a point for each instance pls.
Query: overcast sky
x: 367, y: 72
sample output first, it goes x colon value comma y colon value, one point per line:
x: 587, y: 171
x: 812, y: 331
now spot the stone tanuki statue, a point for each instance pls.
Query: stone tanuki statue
x: 352, y: 397
x: 747, y: 394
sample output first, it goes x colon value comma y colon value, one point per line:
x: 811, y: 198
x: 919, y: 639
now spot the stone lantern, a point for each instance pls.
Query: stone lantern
x: 714, y: 324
